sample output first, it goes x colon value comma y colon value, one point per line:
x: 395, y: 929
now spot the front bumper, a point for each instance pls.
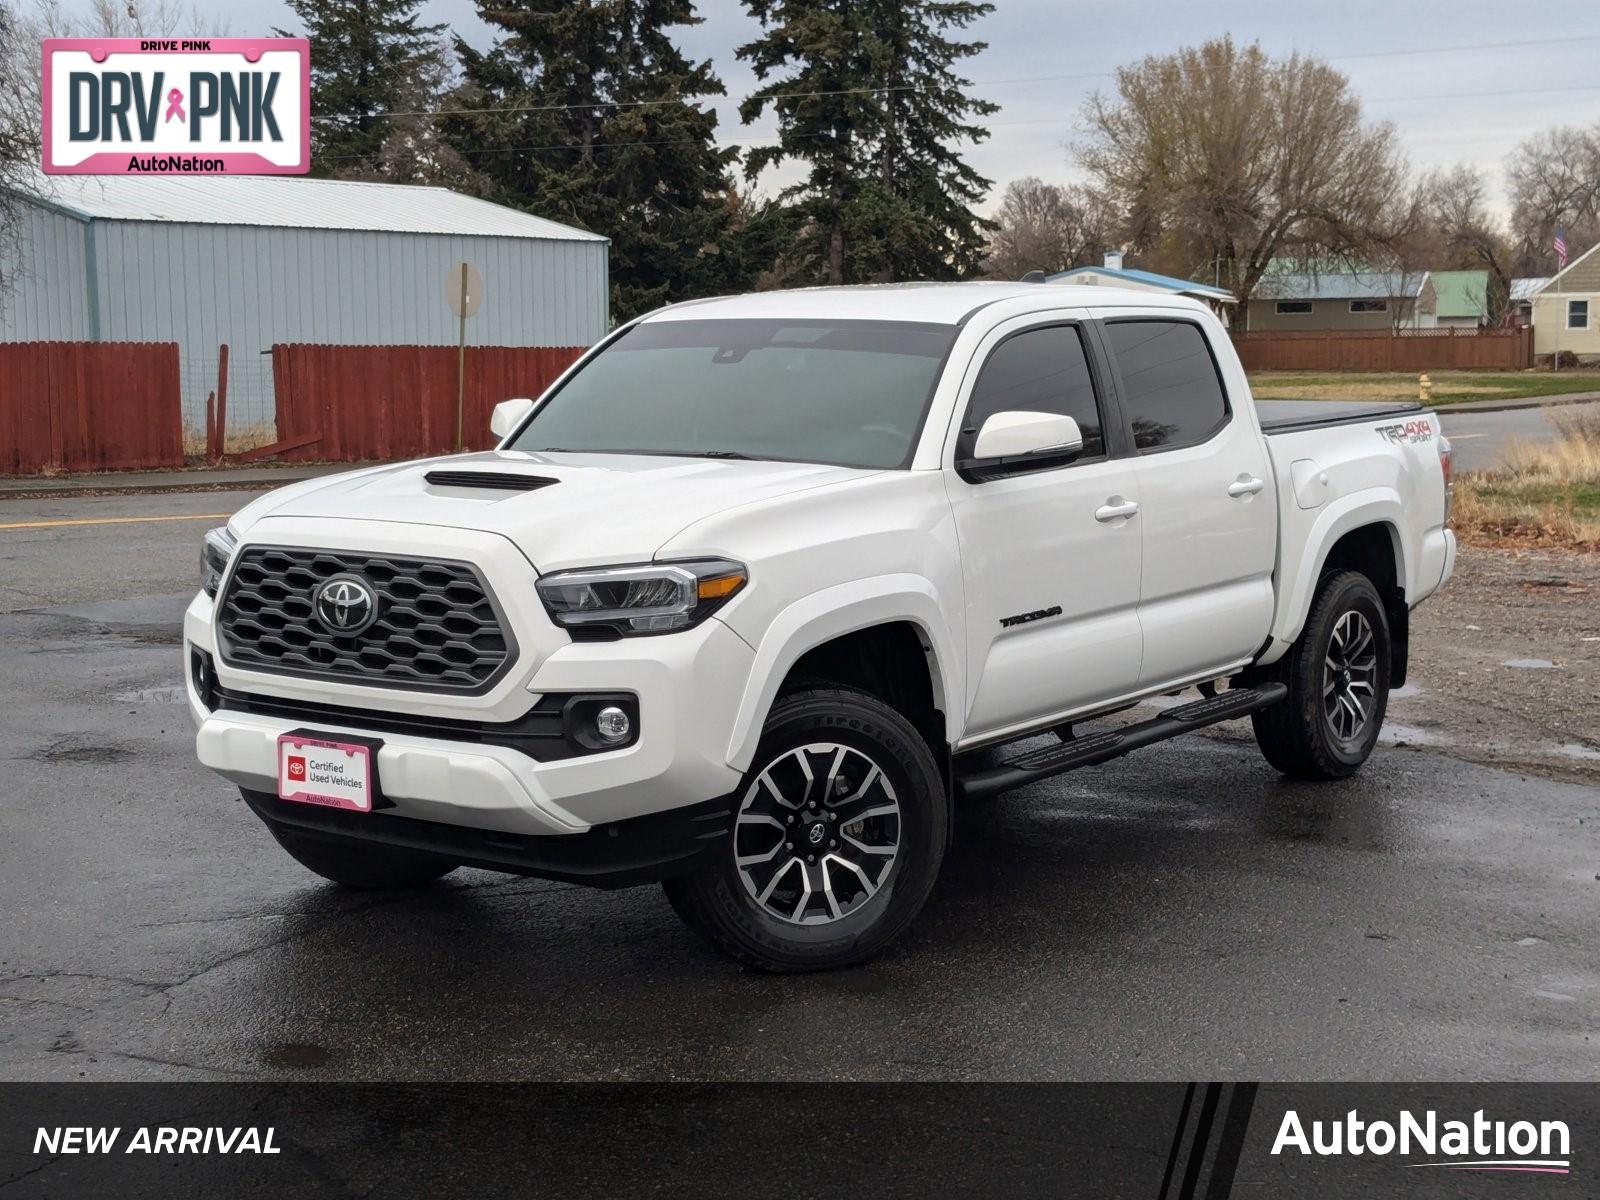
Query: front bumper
x: 688, y: 687
x: 622, y: 854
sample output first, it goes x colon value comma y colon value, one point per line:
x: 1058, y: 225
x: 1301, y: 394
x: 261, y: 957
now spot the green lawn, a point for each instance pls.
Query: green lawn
x: 1449, y: 387
x: 1582, y: 500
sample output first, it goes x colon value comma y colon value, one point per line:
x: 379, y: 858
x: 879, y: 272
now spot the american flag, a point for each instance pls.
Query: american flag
x: 1560, y: 247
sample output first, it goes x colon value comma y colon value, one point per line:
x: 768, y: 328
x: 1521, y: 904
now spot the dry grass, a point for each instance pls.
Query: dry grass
x: 1545, y: 494
x: 237, y: 441
x: 1449, y: 387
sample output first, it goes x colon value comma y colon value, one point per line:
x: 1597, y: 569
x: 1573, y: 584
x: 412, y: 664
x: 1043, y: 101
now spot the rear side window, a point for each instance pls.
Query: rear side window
x: 1170, y: 387
x: 1037, y: 370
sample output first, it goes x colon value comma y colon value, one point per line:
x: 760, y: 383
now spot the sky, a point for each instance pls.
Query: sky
x: 1461, y: 80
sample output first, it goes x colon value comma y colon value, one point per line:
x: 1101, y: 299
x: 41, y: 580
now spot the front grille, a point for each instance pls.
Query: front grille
x: 437, y: 626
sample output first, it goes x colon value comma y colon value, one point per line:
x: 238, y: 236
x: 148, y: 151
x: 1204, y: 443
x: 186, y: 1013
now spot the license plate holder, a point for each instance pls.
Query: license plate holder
x: 329, y: 770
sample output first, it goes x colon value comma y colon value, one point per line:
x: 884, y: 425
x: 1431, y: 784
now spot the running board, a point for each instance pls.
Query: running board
x: 1113, y: 743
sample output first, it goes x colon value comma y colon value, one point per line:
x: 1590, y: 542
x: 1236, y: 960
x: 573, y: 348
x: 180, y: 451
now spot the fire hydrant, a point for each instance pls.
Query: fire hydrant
x: 1424, y: 387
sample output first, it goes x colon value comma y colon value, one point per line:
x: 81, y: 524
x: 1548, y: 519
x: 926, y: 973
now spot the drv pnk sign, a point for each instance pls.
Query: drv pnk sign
x: 171, y: 106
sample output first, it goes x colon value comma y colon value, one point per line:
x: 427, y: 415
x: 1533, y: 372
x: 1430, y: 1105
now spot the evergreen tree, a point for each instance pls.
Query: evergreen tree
x: 866, y: 93
x: 367, y: 58
x: 592, y: 119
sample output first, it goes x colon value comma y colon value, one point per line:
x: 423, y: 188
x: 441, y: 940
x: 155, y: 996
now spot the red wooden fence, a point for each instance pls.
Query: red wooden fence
x: 1381, y: 350
x: 393, y: 402
x: 89, y: 406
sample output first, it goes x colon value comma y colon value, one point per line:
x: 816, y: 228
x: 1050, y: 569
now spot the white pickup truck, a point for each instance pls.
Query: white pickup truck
x: 763, y: 586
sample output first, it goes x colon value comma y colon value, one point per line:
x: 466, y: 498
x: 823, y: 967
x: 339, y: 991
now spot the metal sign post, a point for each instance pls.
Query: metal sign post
x: 463, y: 292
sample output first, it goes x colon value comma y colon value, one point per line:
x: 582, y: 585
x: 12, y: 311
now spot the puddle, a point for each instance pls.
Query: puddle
x: 1406, y: 693
x: 172, y: 694
x: 1529, y: 664
x: 70, y: 750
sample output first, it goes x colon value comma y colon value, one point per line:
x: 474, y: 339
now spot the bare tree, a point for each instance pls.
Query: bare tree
x: 1048, y: 227
x: 414, y: 148
x: 1239, y: 158
x: 19, y: 136
x: 1468, y: 235
x: 1554, y: 181
x: 20, y: 101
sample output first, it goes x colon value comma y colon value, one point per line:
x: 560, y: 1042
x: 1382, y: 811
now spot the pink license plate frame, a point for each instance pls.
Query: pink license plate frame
x: 327, y: 772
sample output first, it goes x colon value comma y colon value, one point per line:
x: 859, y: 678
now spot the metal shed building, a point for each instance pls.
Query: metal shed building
x: 259, y: 260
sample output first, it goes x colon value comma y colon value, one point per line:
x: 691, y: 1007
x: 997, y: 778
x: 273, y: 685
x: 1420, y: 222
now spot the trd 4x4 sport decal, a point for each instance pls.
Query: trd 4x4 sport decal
x: 1409, y: 431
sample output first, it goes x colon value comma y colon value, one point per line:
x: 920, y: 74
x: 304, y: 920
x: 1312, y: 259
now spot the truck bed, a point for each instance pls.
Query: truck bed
x: 1285, y: 416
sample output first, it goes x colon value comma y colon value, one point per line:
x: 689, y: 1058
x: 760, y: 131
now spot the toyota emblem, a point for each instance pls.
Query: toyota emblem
x: 345, y: 605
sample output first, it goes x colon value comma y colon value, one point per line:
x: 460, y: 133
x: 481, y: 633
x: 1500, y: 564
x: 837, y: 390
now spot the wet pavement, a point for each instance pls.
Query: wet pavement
x: 1181, y: 913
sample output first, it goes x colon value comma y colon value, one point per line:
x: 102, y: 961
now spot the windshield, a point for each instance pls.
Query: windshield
x: 846, y: 393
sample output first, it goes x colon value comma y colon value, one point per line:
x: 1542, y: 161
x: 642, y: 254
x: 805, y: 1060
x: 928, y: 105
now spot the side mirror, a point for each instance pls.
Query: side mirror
x: 508, y: 415
x: 1015, y: 441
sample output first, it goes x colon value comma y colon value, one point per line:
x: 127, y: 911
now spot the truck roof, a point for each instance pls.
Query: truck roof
x: 938, y: 303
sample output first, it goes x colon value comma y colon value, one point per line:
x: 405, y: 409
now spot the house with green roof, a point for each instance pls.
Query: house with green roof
x: 1461, y: 298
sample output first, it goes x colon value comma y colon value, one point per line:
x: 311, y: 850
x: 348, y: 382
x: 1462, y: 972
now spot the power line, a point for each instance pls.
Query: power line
x: 758, y: 141
x: 779, y: 96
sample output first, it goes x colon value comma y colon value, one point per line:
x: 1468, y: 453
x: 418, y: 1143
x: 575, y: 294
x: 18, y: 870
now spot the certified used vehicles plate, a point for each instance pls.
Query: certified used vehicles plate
x: 334, y: 774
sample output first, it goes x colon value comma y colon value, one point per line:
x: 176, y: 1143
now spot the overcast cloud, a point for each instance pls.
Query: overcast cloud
x: 1045, y: 56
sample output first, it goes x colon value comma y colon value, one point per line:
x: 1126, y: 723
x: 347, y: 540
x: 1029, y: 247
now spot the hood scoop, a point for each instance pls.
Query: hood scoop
x: 499, y: 481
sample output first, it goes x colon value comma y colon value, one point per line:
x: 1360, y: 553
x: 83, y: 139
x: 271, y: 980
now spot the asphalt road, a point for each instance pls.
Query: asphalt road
x: 1182, y: 913
x: 1479, y: 440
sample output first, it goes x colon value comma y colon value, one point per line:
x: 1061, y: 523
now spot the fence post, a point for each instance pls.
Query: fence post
x: 222, y: 402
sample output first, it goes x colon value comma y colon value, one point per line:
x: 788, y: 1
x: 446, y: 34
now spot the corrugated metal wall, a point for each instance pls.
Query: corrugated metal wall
x: 202, y: 285
x: 48, y: 299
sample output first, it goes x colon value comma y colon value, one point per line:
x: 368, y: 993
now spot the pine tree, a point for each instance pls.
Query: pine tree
x: 366, y: 57
x: 866, y: 93
x: 594, y: 121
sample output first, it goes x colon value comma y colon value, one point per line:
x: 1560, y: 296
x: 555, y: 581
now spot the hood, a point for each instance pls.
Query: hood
x: 600, y: 508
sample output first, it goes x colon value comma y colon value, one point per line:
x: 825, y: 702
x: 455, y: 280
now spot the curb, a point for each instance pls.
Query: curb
x: 1492, y: 406
x: 77, y: 490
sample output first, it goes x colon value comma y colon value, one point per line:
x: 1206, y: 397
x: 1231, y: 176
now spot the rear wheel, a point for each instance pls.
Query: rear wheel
x: 1338, y: 679
x: 841, y: 826
x: 366, y: 866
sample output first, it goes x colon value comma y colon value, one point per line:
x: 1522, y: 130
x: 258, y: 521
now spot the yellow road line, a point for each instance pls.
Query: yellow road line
x: 115, y: 521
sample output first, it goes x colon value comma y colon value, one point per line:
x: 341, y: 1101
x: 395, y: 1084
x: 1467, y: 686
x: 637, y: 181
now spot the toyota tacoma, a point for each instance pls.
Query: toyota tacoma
x: 762, y: 587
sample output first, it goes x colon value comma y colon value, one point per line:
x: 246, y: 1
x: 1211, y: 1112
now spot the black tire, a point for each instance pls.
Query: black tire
x: 717, y: 901
x: 367, y: 866
x: 1298, y: 737
x: 676, y: 891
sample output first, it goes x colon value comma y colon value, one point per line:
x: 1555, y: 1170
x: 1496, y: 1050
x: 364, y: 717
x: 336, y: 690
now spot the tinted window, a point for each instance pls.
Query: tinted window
x: 1040, y: 370
x: 851, y: 393
x: 1170, y: 388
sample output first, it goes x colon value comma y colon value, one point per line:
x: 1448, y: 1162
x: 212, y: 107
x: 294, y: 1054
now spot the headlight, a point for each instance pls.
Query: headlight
x: 652, y: 598
x: 216, y: 548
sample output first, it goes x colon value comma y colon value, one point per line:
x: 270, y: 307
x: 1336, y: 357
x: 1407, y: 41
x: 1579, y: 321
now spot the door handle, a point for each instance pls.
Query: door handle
x: 1115, y: 507
x: 1245, y: 485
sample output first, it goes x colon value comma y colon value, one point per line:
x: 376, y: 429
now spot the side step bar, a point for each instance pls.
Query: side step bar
x: 1113, y: 743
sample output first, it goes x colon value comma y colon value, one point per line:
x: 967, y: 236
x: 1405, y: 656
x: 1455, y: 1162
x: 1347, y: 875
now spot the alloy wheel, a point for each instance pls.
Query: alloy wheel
x: 817, y: 833
x: 1350, y: 678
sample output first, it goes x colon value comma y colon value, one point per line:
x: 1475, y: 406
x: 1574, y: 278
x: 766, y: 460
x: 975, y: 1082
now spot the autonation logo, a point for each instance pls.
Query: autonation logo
x: 1476, y: 1145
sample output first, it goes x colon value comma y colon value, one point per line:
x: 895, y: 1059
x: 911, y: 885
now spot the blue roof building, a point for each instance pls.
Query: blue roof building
x: 1114, y: 274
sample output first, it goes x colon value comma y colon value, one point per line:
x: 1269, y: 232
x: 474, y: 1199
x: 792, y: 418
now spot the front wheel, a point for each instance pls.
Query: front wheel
x: 1338, y: 679
x: 840, y: 830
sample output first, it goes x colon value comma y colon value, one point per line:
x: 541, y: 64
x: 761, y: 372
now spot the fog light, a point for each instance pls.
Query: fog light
x: 612, y: 724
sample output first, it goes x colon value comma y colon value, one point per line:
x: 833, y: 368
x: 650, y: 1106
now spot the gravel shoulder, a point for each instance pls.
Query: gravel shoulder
x: 1505, y: 664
